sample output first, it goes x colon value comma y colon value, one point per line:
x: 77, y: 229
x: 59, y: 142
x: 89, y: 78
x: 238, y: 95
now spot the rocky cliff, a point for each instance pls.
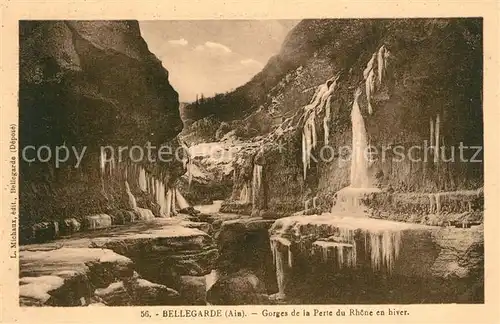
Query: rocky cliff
x: 419, y: 80
x: 88, y: 84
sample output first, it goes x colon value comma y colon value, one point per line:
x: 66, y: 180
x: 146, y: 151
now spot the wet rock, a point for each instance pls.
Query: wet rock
x: 192, y: 290
x: 129, y: 216
x: 41, y: 232
x: 65, y: 276
x: 239, y: 288
x: 85, y: 68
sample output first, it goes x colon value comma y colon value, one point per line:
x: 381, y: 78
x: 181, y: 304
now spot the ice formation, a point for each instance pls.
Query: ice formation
x: 371, y: 76
x: 102, y: 162
x: 245, y: 194
x: 370, y: 89
x: 435, y: 203
x: 168, y: 198
x: 142, y: 179
x: 436, y: 145
x: 431, y: 126
x: 309, y: 140
x: 131, y: 198
x: 256, y: 182
x: 359, y: 161
x: 281, y: 259
x: 344, y: 254
x: 187, y: 162
x: 384, y: 249
x: 379, y: 239
x: 381, y: 56
x: 320, y: 101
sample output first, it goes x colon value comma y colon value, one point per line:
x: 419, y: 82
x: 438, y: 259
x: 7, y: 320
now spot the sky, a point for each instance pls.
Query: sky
x: 213, y: 56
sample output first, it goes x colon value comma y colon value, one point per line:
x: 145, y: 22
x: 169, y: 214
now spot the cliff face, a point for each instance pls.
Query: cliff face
x: 432, y: 74
x: 88, y: 84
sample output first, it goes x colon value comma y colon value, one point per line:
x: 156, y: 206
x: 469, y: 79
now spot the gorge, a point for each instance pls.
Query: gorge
x: 298, y: 187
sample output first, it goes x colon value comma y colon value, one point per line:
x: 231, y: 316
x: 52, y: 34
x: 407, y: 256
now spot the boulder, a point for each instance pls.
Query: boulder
x: 94, y: 222
x: 70, y: 226
x: 40, y: 232
x: 192, y: 290
x: 163, y: 249
x: 239, y: 288
x: 244, y: 244
x: 64, y: 277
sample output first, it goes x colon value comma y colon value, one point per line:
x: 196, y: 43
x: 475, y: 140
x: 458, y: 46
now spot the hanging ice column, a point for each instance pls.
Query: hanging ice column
x: 359, y: 161
x: 187, y: 162
x: 370, y: 75
x: 282, y: 259
x: 256, y: 184
x: 321, y: 100
x: 348, y: 200
x: 143, y: 213
x: 245, y: 194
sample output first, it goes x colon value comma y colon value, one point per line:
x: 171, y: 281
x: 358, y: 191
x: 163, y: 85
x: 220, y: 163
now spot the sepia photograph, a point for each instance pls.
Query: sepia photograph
x: 251, y: 162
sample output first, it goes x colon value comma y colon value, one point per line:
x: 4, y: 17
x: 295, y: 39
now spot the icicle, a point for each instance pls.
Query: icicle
x: 190, y: 172
x: 436, y: 148
x: 313, y: 135
x: 431, y: 138
x: 438, y: 203
x: 381, y: 63
x: 245, y: 194
x: 256, y: 182
x: 174, y: 207
x: 370, y: 89
x: 375, y: 250
x: 163, y: 200
x: 102, y: 162
x: 431, y: 203
x: 309, y: 141
x: 112, y: 166
x: 181, y: 201
x: 131, y: 198
x: 277, y: 243
x: 320, y: 100
x: 326, y: 120
x: 102, y: 166
x: 142, y: 179
x: 384, y: 249
x: 304, y: 154
x: 369, y: 66
x: 341, y: 254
